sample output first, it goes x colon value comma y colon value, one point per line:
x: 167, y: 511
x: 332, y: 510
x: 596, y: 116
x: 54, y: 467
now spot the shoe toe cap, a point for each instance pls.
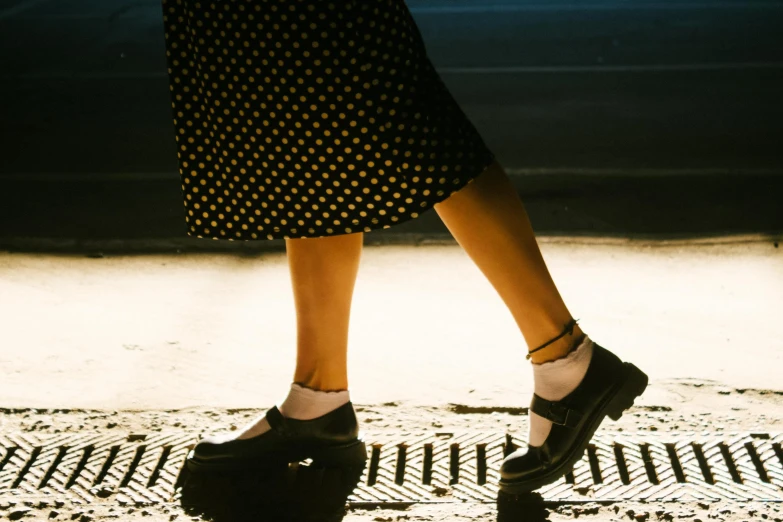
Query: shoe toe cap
x: 213, y: 446
x: 521, y: 464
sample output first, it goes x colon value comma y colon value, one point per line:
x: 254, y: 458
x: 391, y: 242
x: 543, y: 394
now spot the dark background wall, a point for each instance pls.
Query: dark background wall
x: 557, y: 88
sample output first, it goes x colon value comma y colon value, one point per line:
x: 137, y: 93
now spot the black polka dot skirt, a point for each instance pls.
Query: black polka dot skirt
x: 310, y: 118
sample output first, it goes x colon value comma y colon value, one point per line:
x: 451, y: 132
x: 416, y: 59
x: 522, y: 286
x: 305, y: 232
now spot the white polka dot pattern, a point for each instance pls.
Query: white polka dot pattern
x: 310, y: 118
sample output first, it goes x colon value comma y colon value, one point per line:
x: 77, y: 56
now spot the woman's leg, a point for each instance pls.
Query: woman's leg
x: 323, y: 273
x: 489, y: 221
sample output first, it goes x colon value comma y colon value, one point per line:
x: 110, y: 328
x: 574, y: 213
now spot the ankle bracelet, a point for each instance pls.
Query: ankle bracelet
x: 569, y: 329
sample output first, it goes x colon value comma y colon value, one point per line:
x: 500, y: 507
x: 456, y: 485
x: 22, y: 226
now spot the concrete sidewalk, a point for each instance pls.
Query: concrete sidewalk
x: 146, y: 351
x: 218, y: 330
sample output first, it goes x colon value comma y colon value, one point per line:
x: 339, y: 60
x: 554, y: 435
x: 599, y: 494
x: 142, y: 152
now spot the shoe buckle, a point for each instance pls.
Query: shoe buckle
x: 558, y: 414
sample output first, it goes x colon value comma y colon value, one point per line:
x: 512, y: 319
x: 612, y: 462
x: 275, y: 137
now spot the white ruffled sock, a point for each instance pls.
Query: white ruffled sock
x: 553, y: 380
x: 301, y: 404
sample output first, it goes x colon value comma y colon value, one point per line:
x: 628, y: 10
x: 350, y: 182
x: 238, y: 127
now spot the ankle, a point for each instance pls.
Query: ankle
x: 306, y: 403
x: 323, y: 385
x: 559, y: 348
x: 321, y: 380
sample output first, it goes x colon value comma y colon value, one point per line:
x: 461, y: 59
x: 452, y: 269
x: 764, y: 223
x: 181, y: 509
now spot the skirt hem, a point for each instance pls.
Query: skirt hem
x: 384, y: 224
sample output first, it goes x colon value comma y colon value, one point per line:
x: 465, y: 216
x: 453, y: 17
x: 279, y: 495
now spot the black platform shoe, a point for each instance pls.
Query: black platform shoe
x: 332, y: 439
x: 609, y: 388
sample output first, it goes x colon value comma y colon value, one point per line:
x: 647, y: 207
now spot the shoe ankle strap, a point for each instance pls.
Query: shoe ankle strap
x: 555, y: 412
x: 569, y: 329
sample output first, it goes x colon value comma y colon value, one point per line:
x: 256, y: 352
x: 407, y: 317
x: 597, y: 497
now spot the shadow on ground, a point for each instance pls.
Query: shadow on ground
x: 293, y: 493
x: 305, y: 494
x: 529, y: 507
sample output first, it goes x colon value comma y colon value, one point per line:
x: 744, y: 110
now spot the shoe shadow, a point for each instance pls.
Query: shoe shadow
x: 528, y: 507
x: 296, y: 493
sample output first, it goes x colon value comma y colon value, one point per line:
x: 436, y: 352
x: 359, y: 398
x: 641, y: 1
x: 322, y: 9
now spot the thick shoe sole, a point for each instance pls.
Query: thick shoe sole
x: 628, y: 389
x: 348, y: 455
